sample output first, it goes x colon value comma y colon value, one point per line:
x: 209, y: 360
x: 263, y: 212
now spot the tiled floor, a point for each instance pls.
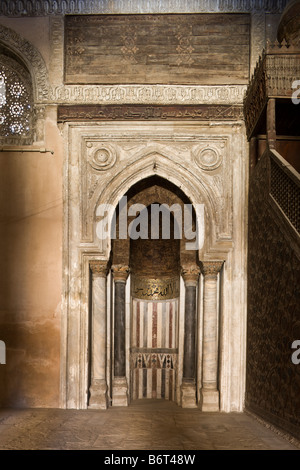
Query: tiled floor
x: 145, y: 425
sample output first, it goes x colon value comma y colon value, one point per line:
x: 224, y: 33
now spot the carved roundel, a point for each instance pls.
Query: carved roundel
x: 208, y: 158
x: 103, y: 157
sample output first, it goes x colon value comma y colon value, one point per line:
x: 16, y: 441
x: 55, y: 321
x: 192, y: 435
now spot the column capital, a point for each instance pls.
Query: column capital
x: 211, y: 268
x: 190, y: 274
x: 99, y: 268
x: 120, y: 272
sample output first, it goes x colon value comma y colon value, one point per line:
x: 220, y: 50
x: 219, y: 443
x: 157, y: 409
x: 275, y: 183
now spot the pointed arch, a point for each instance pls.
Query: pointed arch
x: 31, y: 58
x: 150, y: 164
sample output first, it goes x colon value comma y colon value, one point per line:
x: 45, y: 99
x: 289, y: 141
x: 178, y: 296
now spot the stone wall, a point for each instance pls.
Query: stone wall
x: 272, y: 380
x: 30, y: 285
x: 31, y: 224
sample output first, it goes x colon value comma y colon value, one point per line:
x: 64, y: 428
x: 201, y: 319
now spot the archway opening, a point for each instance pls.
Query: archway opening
x: 154, y: 249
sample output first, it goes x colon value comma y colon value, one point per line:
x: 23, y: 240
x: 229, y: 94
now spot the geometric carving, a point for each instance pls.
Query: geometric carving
x: 32, y: 58
x: 208, y: 159
x: 156, y: 49
x: 273, y: 380
x: 16, y: 100
x: 103, y: 158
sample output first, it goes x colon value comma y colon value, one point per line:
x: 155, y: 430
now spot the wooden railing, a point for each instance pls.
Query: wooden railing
x: 276, y: 71
x: 285, y: 188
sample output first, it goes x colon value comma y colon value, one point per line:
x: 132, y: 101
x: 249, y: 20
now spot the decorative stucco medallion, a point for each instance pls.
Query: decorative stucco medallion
x: 102, y: 157
x: 208, y: 158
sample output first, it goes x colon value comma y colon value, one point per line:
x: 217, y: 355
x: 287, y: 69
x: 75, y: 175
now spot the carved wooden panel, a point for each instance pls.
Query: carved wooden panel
x: 160, y: 49
x: 273, y: 381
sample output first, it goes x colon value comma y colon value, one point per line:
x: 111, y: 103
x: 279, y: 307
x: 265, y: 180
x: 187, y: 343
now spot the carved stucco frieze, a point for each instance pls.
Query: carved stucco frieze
x: 73, y: 7
x: 148, y: 94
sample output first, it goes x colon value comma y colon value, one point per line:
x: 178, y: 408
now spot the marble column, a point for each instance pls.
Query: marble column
x: 190, y: 276
x: 98, y: 388
x: 209, y: 391
x: 271, y: 123
x: 120, y: 386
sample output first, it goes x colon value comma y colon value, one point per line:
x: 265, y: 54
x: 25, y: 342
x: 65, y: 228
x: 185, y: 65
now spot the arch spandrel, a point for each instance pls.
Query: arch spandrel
x: 145, y: 167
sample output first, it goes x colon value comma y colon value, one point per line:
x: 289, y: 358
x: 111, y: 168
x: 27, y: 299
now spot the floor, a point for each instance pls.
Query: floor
x: 144, y: 425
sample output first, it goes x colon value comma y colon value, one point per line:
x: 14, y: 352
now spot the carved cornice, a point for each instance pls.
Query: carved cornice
x: 211, y: 268
x: 73, y: 7
x: 120, y: 272
x: 190, y: 274
x: 148, y: 94
x: 99, y: 268
x: 149, y: 113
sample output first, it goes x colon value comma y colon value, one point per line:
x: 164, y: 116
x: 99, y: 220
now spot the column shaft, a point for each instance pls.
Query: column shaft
x: 188, y: 388
x: 210, y: 328
x: 98, y: 389
x: 119, y: 329
x: 209, y: 391
x: 120, y: 386
x: 189, y: 333
x: 99, y: 328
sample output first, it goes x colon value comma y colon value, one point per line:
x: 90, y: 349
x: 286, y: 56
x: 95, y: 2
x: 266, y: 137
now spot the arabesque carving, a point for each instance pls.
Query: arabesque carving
x: 73, y: 7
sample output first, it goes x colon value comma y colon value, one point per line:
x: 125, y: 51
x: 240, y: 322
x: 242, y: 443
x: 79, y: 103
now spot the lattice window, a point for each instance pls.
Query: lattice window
x: 16, y: 102
x: 286, y: 193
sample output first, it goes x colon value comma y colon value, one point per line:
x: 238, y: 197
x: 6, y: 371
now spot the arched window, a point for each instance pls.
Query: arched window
x: 16, y: 101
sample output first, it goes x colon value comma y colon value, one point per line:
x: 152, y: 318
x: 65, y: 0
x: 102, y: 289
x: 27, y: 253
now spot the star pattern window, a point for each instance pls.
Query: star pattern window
x: 16, y: 102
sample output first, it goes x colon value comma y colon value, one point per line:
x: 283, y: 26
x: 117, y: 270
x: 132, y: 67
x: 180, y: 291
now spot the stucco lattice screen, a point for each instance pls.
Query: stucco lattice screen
x: 16, y: 102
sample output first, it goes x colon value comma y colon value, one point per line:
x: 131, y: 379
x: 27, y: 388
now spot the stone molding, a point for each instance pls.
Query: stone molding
x: 211, y: 268
x: 120, y: 272
x: 99, y: 398
x: 99, y: 268
x: 21, y: 8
